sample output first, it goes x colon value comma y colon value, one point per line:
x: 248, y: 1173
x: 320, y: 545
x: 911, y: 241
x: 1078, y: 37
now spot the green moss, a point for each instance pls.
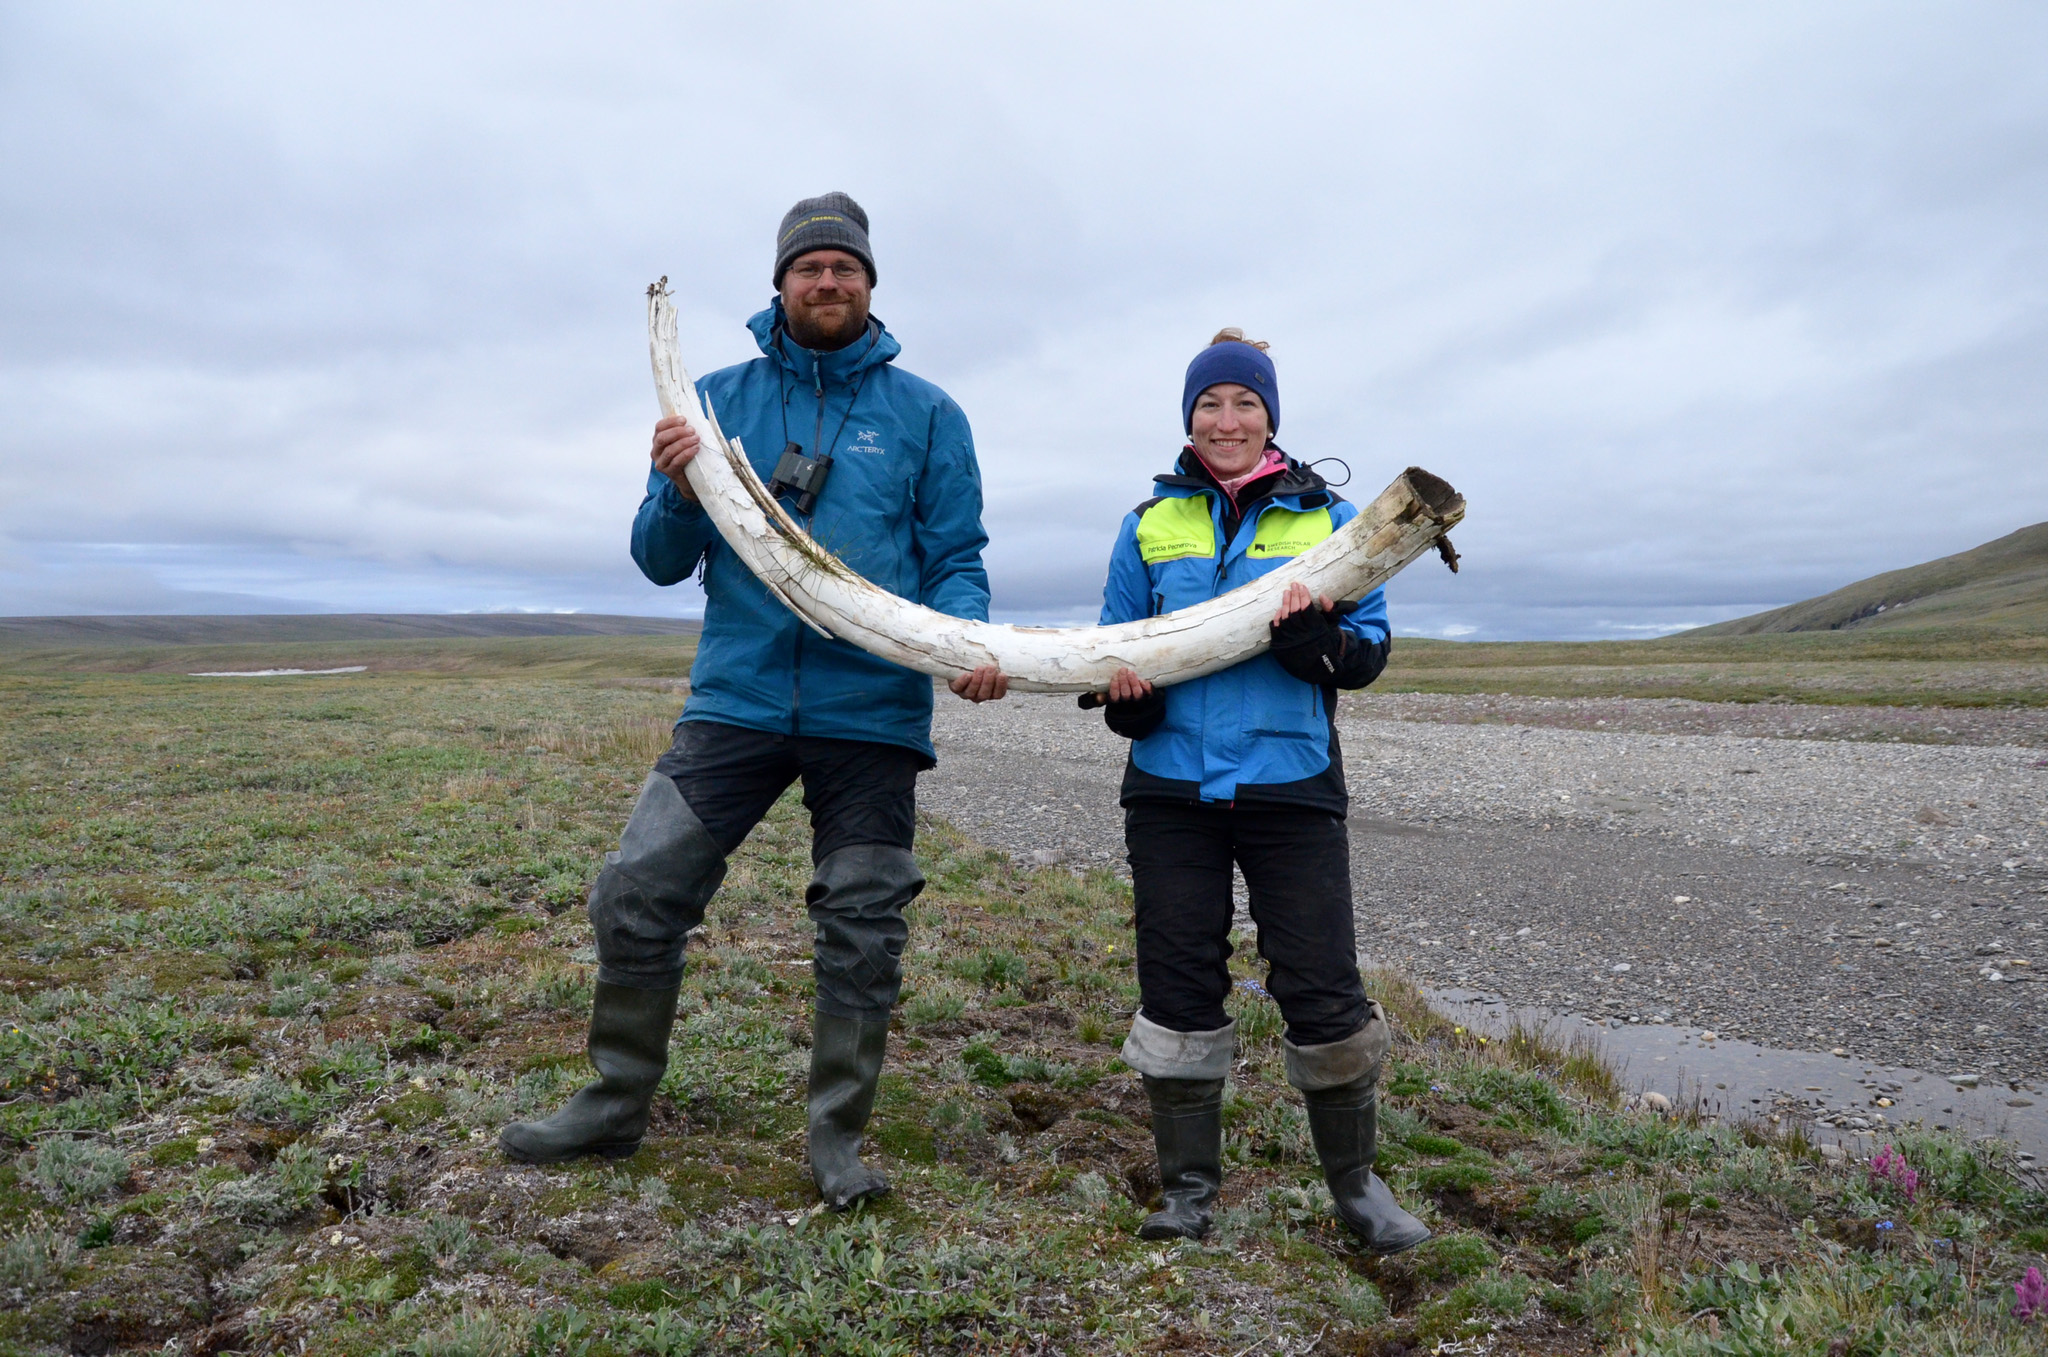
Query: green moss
x: 1460, y: 1177
x: 903, y: 1122
x: 645, y: 1296
x: 414, y: 1110
x: 1453, y: 1257
x: 183, y: 1150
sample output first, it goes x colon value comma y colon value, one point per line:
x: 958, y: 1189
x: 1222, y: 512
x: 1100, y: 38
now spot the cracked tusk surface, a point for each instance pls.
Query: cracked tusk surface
x: 1401, y: 524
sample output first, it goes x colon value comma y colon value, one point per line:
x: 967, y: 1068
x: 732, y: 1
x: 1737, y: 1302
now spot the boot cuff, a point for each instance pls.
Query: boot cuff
x: 1166, y: 1054
x: 1335, y: 1064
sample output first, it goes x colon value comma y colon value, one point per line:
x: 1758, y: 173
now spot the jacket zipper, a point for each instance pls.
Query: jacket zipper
x: 796, y: 659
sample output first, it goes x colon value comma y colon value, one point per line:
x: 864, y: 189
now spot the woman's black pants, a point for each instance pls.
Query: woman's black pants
x: 1297, y: 867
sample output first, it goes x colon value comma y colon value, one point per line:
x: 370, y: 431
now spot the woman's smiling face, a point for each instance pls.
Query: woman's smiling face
x: 1229, y: 428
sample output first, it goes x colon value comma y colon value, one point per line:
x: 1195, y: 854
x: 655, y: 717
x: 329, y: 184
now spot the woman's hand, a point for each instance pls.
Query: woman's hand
x: 1126, y: 686
x: 675, y: 445
x: 1297, y: 599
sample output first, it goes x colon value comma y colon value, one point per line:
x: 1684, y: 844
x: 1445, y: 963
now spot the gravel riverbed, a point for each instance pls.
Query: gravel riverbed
x: 1808, y: 890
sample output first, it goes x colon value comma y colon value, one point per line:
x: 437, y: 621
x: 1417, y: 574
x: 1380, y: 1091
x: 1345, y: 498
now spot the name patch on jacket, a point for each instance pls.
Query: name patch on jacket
x: 1176, y: 528
x: 1283, y: 532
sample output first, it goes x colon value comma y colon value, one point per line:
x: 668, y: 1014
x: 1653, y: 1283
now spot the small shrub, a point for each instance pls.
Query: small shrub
x: 271, y: 1099
x: 1596, y: 1296
x: 1091, y: 1192
x: 288, y: 1187
x: 931, y: 1010
x: 34, y: 1256
x: 1269, y: 1133
x: 1407, y: 1081
x: 985, y: 1065
x: 473, y: 1333
x: 1235, y: 1223
x: 76, y: 1170
x: 1299, y: 1204
x: 1361, y: 1303
x: 667, y: 1334
x: 1503, y: 1293
x: 995, y: 968
x: 561, y: 990
x: 449, y: 1242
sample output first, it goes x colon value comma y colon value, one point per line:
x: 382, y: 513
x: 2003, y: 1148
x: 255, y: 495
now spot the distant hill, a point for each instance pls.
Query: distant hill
x: 22, y: 632
x: 2001, y: 586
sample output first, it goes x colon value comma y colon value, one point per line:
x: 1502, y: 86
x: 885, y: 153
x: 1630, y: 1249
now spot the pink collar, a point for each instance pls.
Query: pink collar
x: 1273, y: 461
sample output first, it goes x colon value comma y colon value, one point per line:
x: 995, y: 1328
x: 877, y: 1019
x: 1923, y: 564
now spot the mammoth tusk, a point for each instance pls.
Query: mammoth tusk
x: 1407, y: 519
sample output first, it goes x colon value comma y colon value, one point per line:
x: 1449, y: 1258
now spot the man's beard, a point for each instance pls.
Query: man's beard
x: 805, y: 328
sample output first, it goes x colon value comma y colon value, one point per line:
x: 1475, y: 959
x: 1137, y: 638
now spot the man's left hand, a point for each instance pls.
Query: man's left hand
x: 986, y: 684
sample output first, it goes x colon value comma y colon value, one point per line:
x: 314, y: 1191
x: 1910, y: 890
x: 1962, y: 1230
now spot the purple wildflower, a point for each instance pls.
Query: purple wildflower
x: 2030, y: 1295
x: 1253, y: 988
x: 1888, y: 1168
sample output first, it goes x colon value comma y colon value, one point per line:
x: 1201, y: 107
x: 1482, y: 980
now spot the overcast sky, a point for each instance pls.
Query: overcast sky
x: 1705, y: 308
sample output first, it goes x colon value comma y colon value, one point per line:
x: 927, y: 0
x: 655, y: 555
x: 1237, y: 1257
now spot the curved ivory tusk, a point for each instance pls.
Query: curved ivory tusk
x: 1408, y: 518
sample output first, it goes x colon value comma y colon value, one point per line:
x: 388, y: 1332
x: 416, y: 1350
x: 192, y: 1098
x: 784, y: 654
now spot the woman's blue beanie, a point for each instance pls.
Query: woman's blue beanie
x: 1231, y: 361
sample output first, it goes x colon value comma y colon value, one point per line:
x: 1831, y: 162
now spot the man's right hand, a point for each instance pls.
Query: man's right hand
x: 675, y: 443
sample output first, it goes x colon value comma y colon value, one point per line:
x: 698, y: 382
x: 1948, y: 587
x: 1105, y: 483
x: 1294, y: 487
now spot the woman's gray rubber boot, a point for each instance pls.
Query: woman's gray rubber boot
x: 1187, y: 1128
x: 846, y: 1069
x: 629, y: 1031
x: 1344, y: 1123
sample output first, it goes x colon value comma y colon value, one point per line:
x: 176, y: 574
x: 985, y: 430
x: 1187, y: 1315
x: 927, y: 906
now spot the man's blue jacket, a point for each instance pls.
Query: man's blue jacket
x: 1252, y: 731
x: 901, y: 505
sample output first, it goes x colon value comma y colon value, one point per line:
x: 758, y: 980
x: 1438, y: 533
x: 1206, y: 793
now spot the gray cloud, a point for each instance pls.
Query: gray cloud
x: 1704, y: 310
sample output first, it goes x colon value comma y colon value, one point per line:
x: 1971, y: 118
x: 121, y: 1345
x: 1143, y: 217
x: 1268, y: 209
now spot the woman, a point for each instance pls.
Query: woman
x: 1243, y: 767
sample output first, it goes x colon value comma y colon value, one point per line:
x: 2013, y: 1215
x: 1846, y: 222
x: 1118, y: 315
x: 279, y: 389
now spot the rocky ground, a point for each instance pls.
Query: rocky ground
x: 1796, y: 876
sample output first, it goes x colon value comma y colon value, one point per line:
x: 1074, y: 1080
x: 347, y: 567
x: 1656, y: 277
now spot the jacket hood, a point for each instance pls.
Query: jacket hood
x: 771, y: 332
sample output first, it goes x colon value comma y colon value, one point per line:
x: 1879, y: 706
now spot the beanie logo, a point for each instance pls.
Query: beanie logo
x: 811, y: 220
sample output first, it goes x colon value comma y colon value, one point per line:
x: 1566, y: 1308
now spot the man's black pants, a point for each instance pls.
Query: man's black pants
x: 857, y: 791
x: 1297, y: 867
x: 862, y: 800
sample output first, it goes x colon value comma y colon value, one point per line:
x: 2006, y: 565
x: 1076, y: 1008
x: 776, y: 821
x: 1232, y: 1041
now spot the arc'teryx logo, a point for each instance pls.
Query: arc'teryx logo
x: 865, y: 441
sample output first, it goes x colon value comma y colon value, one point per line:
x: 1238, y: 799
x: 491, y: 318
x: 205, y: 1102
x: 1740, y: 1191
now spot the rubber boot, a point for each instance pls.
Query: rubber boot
x: 1187, y: 1128
x: 1344, y: 1122
x: 629, y: 1046
x: 846, y: 1069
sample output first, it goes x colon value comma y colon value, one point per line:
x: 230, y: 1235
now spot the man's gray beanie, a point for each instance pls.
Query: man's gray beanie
x: 833, y: 222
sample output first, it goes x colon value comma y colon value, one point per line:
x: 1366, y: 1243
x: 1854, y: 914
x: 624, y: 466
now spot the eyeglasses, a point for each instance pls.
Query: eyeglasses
x: 845, y: 270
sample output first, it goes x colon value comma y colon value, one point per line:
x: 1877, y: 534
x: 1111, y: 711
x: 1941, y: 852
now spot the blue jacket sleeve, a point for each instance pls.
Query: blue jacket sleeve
x: 1127, y: 593
x: 670, y: 534
x: 947, y: 520
x: 1368, y: 621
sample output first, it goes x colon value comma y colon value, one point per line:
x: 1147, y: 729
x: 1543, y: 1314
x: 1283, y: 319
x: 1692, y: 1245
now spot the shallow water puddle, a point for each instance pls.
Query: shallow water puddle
x: 1739, y: 1081
x: 276, y: 673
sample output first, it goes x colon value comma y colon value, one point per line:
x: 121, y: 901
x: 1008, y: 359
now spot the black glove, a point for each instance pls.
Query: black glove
x: 1133, y: 720
x: 1311, y: 646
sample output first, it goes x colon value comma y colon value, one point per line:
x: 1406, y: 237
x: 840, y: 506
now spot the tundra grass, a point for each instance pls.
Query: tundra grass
x: 278, y: 958
x: 1934, y: 669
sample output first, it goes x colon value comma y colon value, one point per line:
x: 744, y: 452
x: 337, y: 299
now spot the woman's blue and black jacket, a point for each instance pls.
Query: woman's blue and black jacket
x: 902, y: 506
x: 1254, y: 731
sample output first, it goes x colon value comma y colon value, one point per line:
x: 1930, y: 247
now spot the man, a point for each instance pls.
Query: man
x: 771, y: 702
